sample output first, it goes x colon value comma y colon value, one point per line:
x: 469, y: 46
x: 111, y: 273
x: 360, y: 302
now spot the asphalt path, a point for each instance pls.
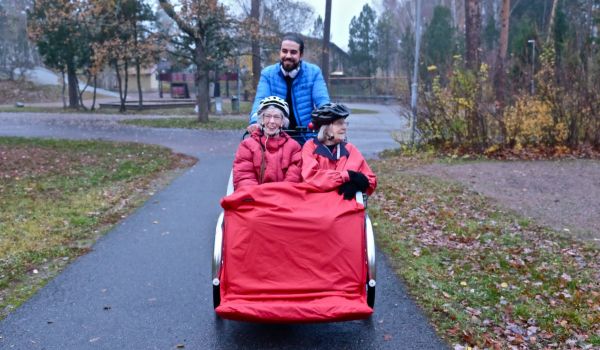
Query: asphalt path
x: 147, y: 285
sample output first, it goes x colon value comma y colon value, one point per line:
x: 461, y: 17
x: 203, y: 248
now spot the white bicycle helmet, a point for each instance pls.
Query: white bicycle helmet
x: 276, y: 102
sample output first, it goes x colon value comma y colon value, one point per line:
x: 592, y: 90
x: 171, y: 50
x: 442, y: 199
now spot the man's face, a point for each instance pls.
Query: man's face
x: 289, y: 55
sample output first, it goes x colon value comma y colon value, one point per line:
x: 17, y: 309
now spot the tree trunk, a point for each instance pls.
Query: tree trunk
x: 202, y: 98
x: 326, y: 35
x: 80, y: 92
x: 72, y: 77
x: 93, y: 107
x: 255, y: 32
x: 126, y: 73
x: 453, y: 9
x: 502, y: 51
x: 551, y: 22
x: 473, y: 35
x: 64, y: 98
x: 120, y: 83
x: 139, y: 82
x: 501, y: 63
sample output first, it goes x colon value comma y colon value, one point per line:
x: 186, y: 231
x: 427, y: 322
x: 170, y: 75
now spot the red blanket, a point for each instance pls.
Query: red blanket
x: 291, y: 254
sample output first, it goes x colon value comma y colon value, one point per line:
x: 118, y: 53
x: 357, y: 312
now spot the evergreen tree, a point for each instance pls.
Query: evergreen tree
x: 407, y: 53
x: 387, y: 42
x: 62, y: 38
x: 362, y: 42
x: 317, y: 31
x: 439, y: 41
x: 490, y: 33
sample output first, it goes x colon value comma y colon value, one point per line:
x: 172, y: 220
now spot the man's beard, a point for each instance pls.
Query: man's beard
x: 287, y: 68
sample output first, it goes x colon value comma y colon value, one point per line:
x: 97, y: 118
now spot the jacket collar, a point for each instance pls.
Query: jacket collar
x: 322, y: 150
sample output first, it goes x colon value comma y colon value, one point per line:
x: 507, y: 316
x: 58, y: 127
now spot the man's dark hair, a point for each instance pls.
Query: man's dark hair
x: 295, y: 38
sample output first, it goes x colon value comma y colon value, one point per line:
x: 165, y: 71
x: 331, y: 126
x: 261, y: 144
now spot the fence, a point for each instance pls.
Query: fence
x: 368, y: 88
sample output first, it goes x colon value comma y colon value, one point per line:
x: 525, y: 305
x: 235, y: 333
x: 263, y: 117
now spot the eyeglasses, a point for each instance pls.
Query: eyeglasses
x: 341, y: 122
x: 275, y: 117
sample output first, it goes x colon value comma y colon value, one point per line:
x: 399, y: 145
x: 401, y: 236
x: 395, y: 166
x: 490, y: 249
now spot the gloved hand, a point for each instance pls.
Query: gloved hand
x: 348, y: 189
x: 359, y: 179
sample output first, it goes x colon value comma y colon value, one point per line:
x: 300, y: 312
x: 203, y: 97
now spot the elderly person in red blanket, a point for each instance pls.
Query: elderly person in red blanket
x: 329, y: 162
x: 269, y: 154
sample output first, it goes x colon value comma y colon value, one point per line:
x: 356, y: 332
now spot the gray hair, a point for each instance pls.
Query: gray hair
x: 322, y: 135
x: 285, y: 121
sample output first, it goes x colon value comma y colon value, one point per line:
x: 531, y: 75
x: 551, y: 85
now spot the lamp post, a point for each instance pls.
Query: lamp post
x: 235, y: 101
x: 532, y: 42
x: 414, y: 85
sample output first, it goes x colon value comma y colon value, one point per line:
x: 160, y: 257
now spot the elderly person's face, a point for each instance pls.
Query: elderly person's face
x: 272, y: 120
x: 289, y: 54
x: 337, y: 130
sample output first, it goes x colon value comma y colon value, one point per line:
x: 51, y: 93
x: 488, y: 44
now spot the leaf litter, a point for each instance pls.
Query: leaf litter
x: 502, y: 281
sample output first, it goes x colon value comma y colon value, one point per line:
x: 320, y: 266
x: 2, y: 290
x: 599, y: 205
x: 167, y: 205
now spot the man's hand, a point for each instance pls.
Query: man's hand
x: 251, y: 128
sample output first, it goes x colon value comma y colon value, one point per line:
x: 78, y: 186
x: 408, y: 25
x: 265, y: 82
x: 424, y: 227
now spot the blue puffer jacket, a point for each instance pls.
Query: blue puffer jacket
x: 308, y: 90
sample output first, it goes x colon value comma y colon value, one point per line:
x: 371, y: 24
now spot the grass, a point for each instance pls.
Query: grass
x: 169, y: 111
x: 245, y: 108
x: 362, y: 111
x: 190, y: 123
x: 486, y: 277
x: 57, y: 197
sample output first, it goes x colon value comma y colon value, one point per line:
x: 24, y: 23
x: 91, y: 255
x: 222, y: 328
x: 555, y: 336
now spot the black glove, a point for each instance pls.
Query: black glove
x: 359, y: 179
x: 348, y: 189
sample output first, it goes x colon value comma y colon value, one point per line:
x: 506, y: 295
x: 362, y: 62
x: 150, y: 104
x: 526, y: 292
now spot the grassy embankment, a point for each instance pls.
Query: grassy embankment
x: 57, y: 197
x: 485, y: 276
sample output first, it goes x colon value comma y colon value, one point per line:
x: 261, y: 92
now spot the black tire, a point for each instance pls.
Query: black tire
x: 216, y: 296
x: 371, y: 296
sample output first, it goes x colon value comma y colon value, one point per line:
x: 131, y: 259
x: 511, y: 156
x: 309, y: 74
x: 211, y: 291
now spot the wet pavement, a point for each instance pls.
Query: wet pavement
x: 146, y: 283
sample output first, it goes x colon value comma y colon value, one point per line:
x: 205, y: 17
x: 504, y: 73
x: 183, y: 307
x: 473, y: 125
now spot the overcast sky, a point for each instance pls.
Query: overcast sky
x: 342, y: 12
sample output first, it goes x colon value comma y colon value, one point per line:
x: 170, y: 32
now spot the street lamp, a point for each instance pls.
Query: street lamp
x: 414, y: 85
x: 532, y: 42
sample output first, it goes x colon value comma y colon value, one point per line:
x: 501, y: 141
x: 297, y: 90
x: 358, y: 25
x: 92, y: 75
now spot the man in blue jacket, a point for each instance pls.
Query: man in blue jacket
x: 300, y: 83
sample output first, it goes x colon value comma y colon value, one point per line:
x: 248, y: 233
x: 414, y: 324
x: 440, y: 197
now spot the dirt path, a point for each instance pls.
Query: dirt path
x: 564, y: 195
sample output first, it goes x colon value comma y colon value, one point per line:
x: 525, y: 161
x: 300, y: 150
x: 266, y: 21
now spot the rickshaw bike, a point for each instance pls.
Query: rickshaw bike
x: 284, y: 253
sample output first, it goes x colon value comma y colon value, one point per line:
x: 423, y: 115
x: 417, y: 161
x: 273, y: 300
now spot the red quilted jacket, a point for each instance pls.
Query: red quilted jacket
x: 278, y: 158
x: 323, y: 170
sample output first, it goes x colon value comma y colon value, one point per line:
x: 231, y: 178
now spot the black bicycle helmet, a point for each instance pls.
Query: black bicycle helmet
x: 327, y: 114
